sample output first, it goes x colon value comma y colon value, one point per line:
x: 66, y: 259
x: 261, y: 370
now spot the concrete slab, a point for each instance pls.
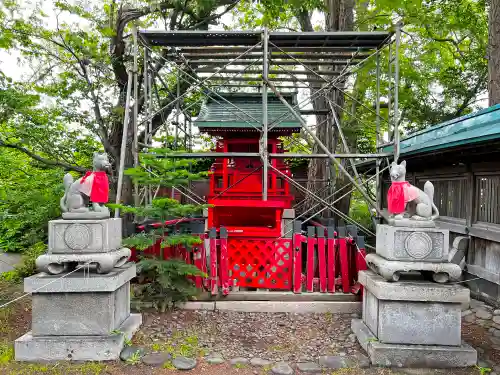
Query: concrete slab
x: 80, y: 282
x: 303, y: 307
x: 261, y: 295
x: 76, y: 348
x: 417, y: 356
x: 197, y: 305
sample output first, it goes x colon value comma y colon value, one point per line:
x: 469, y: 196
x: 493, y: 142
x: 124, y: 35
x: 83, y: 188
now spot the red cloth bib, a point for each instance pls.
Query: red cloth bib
x: 100, y: 186
x: 396, y: 199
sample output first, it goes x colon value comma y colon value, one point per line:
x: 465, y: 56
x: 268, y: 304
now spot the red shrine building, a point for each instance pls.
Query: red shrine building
x: 252, y: 243
x: 236, y: 182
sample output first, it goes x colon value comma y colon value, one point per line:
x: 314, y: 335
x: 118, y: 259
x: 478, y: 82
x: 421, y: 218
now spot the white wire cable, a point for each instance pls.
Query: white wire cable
x: 43, y: 286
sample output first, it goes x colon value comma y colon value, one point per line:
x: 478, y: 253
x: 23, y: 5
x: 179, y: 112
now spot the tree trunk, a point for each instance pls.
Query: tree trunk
x: 339, y: 17
x: 494, y: 53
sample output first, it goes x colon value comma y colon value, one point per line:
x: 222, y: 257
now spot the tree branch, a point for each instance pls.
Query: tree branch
x: 471, y: 95
x: 447, y: 40
x: 53, y: 163
x: 102, y: 132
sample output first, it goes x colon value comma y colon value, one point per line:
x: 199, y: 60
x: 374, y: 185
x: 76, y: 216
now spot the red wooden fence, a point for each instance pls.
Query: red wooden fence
x: 323, y: 260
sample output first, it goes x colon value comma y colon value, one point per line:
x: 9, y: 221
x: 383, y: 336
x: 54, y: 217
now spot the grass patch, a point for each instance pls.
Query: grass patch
x: 60, y: 368
x: 135, y: 358
x: 180, y: 344
x: 5, y: 316
x: 6, y: 353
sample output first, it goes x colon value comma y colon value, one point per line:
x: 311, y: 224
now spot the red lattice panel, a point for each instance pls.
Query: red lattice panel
x: 260, y: 263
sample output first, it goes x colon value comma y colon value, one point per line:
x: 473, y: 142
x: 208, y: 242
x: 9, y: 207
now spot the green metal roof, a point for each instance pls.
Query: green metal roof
x: 476, y: 127
x: 244, y: 111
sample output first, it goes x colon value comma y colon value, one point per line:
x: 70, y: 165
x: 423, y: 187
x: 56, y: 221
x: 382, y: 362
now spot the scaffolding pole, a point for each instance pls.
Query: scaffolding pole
x: 378, y: 180
x: 396, y: 94
x: 264, y: 142
x: 177, y: 109
x: 135, y: 147
x: 123, y: 148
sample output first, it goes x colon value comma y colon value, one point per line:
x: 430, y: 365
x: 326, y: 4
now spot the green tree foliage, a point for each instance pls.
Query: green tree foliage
x: 34, y: 146
x: 163, y: 282
x: 80, y: 55
x: 29, y: 198
x: 443, y: 66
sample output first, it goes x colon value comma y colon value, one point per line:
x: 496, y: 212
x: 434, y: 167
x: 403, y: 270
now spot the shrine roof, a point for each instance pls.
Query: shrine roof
x: 243, y: 112
x: 480, y: 126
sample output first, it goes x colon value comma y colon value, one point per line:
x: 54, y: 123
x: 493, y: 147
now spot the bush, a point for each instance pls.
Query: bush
x: 360, y: 212
x: 163, y: 282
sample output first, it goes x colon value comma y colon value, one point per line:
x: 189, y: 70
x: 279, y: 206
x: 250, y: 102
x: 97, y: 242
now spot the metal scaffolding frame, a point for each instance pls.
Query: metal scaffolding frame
x: 207, y: 61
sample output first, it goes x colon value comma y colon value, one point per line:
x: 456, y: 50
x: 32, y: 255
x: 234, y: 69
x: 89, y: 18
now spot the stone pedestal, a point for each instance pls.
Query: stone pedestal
x: 412, y: 323
x: 82, y: 317
x: 287, y: 221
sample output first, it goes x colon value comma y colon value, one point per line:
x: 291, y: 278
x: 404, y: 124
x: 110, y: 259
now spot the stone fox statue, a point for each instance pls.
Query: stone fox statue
x: 92, y: 187
x: 404, y: 198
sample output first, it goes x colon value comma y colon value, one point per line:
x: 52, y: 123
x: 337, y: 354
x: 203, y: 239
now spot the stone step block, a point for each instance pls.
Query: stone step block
x: 29, y: 348
x: 80, y: 304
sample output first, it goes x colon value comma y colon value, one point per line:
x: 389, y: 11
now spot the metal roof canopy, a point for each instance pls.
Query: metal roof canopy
x: 187, y: 38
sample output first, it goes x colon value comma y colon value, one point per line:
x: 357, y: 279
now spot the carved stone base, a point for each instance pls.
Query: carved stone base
x: 55, y: 264
x: 84, y: 236
x: 413, y: 244
x: 391, y: 270
x: 417, y: 356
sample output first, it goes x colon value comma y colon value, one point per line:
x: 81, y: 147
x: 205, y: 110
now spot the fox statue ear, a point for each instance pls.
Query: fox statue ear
x: 96, y: 154
x: 403, y: 163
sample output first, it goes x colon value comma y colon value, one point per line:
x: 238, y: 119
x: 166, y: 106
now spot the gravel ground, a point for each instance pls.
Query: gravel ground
x: 276, y: 337
x: 253, y: 338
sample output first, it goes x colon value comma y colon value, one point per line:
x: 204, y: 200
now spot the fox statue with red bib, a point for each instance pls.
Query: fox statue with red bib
x: 92, y: 188
x: 406, y: 200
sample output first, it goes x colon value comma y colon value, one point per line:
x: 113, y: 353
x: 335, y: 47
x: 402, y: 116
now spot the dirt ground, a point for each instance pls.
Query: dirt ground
x: 276, y: 337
